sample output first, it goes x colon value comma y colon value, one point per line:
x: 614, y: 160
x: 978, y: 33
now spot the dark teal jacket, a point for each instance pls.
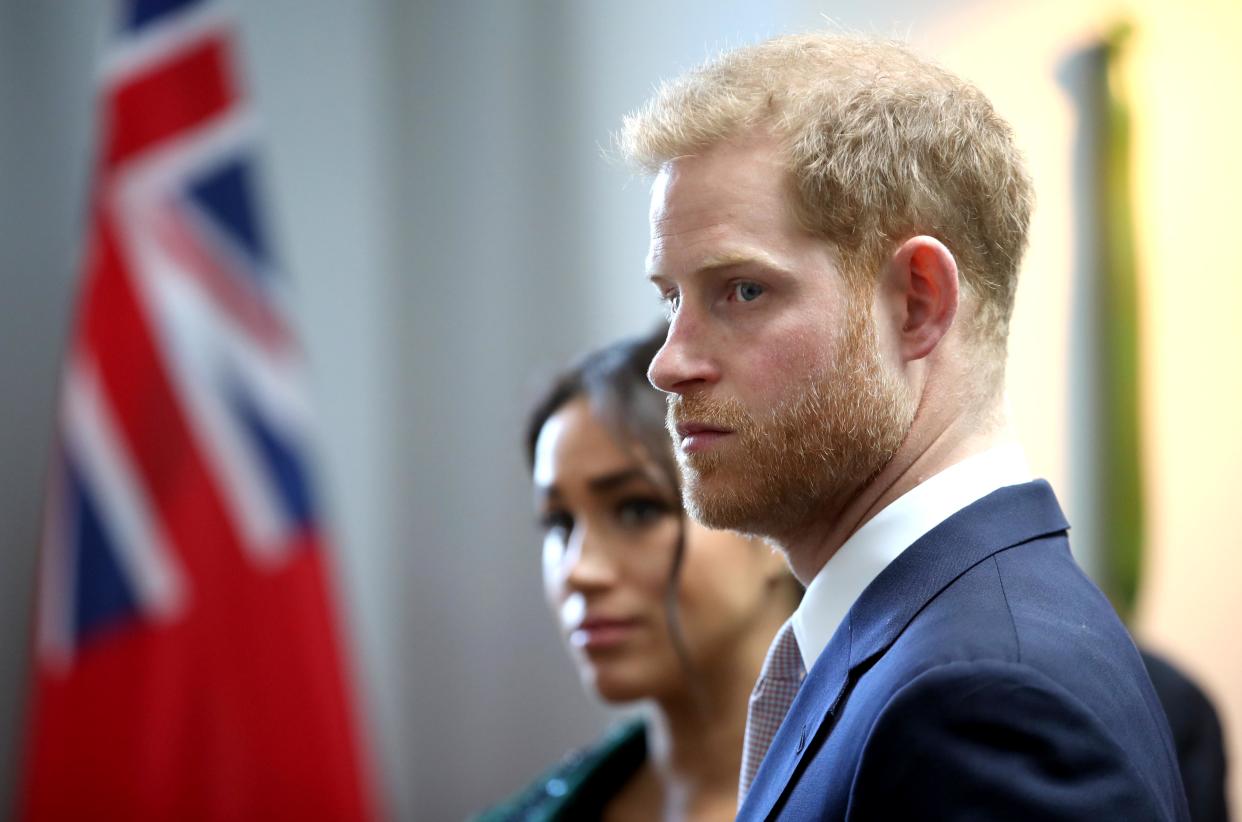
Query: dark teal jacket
x: 581, y: 785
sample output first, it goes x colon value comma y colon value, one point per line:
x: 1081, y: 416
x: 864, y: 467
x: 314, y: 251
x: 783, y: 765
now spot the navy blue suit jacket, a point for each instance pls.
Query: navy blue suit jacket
x: 980, y: 676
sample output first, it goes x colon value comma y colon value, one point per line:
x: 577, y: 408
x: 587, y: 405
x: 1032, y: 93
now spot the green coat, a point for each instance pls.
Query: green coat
x: 581, y: 785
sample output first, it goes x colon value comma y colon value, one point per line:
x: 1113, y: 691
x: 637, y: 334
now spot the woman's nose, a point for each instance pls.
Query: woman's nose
x: 591, y: 564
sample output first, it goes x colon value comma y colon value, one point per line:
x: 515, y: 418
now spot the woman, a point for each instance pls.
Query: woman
x: 652, y: 605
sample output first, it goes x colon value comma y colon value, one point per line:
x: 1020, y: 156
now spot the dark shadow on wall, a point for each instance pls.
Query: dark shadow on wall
x: 47, y: 72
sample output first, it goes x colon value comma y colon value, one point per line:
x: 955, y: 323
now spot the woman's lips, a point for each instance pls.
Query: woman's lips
x: 696, y: 437
x: 596, y: 634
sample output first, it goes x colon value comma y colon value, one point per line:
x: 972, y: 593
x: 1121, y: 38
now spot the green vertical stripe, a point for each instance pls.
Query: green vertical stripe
x: 1122, y: 520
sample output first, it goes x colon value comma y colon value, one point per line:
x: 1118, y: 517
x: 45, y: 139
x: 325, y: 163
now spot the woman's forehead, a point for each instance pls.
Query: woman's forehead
x: 575, y: 446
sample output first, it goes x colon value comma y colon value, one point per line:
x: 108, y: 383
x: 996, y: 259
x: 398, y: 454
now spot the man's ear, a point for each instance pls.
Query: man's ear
x: 923, y: 288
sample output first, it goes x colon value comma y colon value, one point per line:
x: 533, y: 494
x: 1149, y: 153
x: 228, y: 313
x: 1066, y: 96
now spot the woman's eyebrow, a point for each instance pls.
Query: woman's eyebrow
x: 543, y: 492
x: 607, y: 482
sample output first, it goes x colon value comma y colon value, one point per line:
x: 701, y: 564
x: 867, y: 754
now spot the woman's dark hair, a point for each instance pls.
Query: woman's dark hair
x: 614, y: 382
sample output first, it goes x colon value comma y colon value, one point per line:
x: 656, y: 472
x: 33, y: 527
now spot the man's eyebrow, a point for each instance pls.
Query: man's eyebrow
x: 728, y: 259
x: 734, y: 259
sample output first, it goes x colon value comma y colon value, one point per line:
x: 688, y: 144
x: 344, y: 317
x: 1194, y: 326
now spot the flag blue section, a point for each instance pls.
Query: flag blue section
x: 139, y: 13
x: 226, y: 194
x: 103, y: 595
x: 284, y: 464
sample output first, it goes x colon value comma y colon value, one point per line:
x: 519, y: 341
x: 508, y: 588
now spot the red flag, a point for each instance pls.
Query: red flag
x: 187, y: 662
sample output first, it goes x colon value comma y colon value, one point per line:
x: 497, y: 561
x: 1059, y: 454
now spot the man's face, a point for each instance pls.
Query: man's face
x: 781, y: 402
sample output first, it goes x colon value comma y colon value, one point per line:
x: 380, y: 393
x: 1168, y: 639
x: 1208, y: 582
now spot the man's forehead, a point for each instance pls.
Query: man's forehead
x: 689, y: 205
x: 730, y: 177
x: 659, y: 192
x: 706, y: 214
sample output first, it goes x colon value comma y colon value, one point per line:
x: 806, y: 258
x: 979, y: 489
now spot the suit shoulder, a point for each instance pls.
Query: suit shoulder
x: 999, y: 737
x: 986, y: 688
x: 971, y: 618
x: 1055, y: 607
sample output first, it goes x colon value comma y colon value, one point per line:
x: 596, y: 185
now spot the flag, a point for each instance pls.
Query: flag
x: 186, y: 658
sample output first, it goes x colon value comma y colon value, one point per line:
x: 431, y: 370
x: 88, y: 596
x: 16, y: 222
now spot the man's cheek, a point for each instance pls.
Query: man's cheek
x: 787, y: 364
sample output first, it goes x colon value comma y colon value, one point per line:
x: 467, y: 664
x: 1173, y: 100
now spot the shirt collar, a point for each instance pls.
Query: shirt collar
x: 900, y: 524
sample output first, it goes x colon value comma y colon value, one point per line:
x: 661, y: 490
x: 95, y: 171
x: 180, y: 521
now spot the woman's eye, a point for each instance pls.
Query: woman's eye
x: 745, y: 292
x: 558, y: 523
x: 640, y: 512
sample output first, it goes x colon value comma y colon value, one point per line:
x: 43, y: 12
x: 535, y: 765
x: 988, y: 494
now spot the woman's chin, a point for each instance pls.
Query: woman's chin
x: 617, y: 686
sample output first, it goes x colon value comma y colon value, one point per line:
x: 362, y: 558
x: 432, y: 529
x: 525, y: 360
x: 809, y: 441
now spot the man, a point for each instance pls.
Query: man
x: 836, y: 226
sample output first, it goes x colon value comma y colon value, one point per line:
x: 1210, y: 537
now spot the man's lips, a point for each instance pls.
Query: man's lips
x: 598, y: 633
x: 694, y: 437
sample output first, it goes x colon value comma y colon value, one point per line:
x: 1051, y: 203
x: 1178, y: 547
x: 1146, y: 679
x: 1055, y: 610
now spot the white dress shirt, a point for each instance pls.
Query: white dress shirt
x: 898, y: 526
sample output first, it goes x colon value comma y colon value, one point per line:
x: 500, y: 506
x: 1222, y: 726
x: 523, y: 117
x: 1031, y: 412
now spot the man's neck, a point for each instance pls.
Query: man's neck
x: 923, y: 455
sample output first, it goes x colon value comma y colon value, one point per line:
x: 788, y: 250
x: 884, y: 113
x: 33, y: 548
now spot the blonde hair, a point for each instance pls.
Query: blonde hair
x: 881, y: 144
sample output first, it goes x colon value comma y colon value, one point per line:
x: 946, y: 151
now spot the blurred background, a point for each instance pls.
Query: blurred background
x: 434, y: 185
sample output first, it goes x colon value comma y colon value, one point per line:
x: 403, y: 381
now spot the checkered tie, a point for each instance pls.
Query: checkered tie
x: 774, y: 692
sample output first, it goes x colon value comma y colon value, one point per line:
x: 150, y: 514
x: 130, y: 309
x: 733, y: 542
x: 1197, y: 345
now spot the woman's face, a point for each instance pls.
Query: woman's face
x: 609, y: 540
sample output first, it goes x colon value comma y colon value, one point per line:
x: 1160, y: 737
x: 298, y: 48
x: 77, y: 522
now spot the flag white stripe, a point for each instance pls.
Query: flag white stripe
x: 136, y: 52
x: 165, y: 168
x: 203, y: 345
x: 198, y: 363
x: 143, y: 552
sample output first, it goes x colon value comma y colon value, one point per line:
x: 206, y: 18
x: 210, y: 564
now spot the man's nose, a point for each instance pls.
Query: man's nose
x: 684, y: 362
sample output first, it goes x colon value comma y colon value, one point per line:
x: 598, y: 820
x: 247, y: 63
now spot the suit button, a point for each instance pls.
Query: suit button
x: 556, y: 787
x: 801, y: 740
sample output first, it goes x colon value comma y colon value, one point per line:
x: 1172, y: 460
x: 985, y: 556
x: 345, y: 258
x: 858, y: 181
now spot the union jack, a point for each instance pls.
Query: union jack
x: 187, y: 661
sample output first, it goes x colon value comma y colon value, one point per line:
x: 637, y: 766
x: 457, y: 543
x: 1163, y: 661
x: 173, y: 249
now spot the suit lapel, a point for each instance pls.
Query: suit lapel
x: 1004, y: 518
x: 815, y: 703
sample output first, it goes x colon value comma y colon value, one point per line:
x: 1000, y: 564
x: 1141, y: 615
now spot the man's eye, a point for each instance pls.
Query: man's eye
x: 672, y: 301
x: 745, y: 292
